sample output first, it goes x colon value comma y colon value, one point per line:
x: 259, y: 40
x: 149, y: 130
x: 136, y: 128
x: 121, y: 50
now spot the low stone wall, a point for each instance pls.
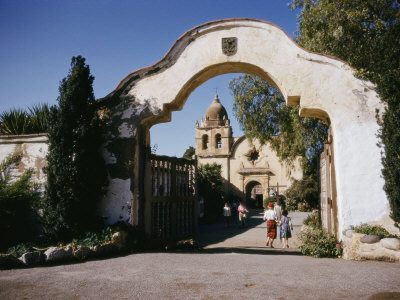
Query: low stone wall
x: 357, y: 246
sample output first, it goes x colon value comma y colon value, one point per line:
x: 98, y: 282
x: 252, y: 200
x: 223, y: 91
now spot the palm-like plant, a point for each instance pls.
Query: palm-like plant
x: 39, y: 117
x: 14, y: 121
x: 18, y: 121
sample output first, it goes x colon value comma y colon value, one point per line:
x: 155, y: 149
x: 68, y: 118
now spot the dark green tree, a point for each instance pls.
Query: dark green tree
x: 366, y: 34
x: 75, y: 171
x: 210, y: 183
x: 189, y: 152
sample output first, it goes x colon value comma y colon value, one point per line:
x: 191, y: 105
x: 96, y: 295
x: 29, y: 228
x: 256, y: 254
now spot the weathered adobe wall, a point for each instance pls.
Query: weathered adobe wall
x: 33, y: 148
x: 323, y: 87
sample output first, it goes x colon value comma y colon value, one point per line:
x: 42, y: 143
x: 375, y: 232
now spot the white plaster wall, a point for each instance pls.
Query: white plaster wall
x: 116, y: 205
x: 33, y: 149
x: 319, y: 82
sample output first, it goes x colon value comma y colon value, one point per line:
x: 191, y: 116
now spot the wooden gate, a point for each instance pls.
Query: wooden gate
x: 171, y: 198
x: 328, y: 188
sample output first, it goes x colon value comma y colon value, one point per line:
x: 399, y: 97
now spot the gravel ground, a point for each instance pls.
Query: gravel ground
x: 206, y: 276
x: 217, y: 272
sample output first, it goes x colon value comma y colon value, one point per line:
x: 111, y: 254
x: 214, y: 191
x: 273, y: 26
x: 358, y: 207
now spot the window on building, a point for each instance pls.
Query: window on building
x: 205, y: 141
x: 218, y: 141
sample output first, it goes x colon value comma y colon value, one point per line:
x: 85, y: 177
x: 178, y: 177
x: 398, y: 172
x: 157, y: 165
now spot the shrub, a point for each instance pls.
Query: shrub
x: 303, y: 194
x: 18, y: 199
x: 19, y: 249
x: 372, y: 229
x: 318, y: 243
x: 91, y: 239
x: 313, y: 220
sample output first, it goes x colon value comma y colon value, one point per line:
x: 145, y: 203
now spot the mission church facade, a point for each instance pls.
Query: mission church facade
x: 251, y: 170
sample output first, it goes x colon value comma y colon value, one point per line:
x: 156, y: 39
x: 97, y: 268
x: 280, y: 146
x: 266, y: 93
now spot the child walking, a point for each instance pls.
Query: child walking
x: 286, y: 229
x: 227, y: 213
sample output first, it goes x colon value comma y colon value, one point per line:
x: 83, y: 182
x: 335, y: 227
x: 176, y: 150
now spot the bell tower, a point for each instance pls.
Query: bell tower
x: 214, y: 132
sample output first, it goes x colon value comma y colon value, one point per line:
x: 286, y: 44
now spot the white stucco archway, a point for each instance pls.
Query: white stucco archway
x: 324, y: 87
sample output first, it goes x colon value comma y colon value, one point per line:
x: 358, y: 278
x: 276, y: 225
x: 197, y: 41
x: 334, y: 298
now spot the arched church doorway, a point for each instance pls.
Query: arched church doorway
x: 254, y: 194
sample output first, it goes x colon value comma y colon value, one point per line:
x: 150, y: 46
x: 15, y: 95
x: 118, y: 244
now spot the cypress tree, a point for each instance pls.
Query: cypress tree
x: 75, y: 171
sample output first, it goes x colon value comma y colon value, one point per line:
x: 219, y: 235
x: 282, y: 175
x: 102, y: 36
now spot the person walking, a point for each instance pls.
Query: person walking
x: 278, y: 211
x: 270, y: 218
x: 242, y: 210
x: 286, y: 229
x: 227, y: 213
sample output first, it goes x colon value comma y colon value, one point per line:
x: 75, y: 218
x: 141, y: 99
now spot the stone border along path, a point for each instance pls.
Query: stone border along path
x: 253, y: 237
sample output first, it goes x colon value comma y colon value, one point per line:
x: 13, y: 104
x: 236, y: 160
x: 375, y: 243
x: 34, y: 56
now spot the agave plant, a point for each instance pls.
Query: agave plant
x: 14, y: 121
x: 39, y: 118
x: 18, y: 121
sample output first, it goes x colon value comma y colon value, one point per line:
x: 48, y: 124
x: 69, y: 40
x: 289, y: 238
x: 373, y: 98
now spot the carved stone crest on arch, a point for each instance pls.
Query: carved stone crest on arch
x: 229, y: 46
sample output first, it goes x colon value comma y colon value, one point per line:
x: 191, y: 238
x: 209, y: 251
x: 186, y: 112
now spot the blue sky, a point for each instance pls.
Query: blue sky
x: 38, y: 39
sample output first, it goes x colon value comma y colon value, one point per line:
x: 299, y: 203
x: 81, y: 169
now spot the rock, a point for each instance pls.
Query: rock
x: 119, y: 239
x: 349, y: 233
x: 104, y: 250
x: 351, y: 248
x: 83, y: 252
x: 368, y: 247
x: 370, y: 239
x: 32, y: 258
x: 381, y: 254
x: 54, y: 254
x: 391, y: 243
x: 8, y: 261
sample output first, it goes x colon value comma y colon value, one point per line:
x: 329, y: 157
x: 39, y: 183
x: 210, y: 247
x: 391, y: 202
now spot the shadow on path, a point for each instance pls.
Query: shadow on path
x: 210, y: 234
x: 252, y: 250
x: 217, y: 238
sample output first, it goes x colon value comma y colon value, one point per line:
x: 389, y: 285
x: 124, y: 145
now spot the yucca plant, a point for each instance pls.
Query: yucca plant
x: 14, y: 121
x: 18, y: 121
x: 39, y: 118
